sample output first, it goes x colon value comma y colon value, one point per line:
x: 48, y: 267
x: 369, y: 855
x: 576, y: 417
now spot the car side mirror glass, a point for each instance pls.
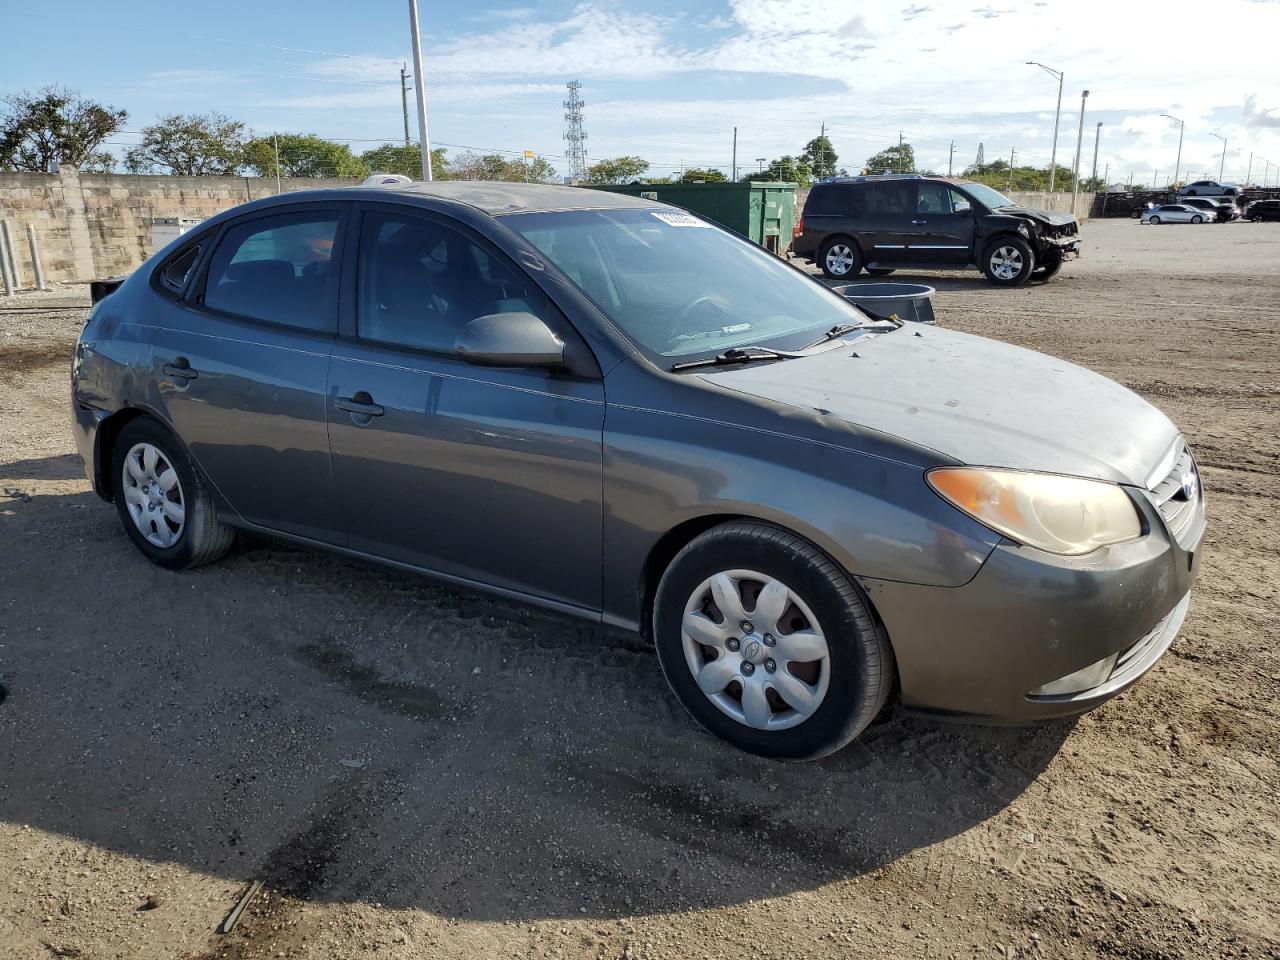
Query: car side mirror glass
x: 509, y: 340
x: 962, y: 206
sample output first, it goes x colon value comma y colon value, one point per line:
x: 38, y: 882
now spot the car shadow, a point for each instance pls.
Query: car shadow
x: 66, y: 467
x: 350, y: 733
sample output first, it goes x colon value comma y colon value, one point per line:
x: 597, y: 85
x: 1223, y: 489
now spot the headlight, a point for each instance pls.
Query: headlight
x: 1063, y: 515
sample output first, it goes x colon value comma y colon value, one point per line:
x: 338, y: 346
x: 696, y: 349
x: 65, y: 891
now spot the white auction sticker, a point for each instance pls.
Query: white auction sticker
x: 680, y: 219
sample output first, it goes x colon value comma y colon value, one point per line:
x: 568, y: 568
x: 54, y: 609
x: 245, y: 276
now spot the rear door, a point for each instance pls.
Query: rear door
x: 241, y: 366
x: 486, y: 474
x: 888, y: 228
x: 942, y: 228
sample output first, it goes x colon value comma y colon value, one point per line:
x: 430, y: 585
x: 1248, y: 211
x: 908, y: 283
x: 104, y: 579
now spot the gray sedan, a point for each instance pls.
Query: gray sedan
x: 1175, y: 213
x: 612, y: 408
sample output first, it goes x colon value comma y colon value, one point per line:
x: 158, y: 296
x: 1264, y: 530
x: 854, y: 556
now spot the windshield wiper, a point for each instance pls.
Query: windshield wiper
x: 737, y: 355
x: 843, y: 329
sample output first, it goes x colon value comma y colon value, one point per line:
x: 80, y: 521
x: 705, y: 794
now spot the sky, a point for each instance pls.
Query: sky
x: 669, y: 80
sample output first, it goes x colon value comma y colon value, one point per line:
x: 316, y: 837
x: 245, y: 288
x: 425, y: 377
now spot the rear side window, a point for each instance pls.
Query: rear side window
x: 892, y: 198
x: 843, y: 199
x: 279, y: 269
x: 173, y: 275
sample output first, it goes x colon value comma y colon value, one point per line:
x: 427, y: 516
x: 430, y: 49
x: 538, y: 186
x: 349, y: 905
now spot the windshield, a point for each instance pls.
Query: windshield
x: 679, y: 286
x: 991, y: 199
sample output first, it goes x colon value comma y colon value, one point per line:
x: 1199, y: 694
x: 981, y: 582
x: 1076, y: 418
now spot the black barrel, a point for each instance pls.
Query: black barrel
x: 908, y: 301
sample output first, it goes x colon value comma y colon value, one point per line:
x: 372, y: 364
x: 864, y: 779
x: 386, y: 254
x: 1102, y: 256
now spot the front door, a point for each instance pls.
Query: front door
x: 489, y: 475
x: 241, y: 367
x: 942, y: 227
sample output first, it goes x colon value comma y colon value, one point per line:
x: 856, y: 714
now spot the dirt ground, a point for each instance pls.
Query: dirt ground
x: 415, y: 771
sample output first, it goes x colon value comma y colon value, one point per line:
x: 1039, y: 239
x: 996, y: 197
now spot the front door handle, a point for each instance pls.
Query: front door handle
x: 180, y: 369
x: 360, y: 403
x: 918, y: 222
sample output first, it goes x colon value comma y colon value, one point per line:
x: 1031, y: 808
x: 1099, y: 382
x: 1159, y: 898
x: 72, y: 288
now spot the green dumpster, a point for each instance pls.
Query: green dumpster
x: 761, y: 212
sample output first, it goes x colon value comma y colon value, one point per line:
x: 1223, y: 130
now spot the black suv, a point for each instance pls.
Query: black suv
x: 891, y: 221
x: 1261, y: 210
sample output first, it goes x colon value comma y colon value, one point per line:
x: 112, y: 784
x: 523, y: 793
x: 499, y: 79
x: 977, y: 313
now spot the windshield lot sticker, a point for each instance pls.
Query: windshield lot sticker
x: 680, y: 219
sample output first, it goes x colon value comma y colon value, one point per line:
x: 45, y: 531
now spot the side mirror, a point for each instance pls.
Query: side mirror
x: 962, y: 206
x: 509, y: 340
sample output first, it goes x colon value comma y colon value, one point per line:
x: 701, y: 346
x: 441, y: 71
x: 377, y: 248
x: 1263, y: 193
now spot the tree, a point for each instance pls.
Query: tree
x: 189, y: 146
x: 617, y: 170
x: 696, y: 175
x: 55, y: 125
x: 821, y: 157
x: 785, y: 170
x: 494, y: 166
x: 304, y: 155
x: 899, y: 158
x: 406, y: 161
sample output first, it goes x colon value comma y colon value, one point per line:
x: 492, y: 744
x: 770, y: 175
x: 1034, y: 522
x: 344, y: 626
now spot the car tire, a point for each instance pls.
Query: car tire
x: 162, y: 501
x: 880, y: 271
x: 1154, y: 220
x: 1197, y: 219
x: 841, y: 671
x: 839, y: 253
x: 1008, y: 261
x: 1257, y: 218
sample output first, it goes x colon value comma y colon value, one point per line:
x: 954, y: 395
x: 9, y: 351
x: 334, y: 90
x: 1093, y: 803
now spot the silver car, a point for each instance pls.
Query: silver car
x: 614, y: 409
x: 1174, y: 213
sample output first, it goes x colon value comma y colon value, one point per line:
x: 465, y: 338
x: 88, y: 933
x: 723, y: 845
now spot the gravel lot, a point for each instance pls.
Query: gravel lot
x: 416, y: 771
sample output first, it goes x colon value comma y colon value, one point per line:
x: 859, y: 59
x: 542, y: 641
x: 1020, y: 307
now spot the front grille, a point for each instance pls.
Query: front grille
x: 1176, y: 504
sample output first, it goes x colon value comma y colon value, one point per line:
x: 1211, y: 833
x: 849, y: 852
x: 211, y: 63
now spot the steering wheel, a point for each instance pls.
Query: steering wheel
x: 685, y: 315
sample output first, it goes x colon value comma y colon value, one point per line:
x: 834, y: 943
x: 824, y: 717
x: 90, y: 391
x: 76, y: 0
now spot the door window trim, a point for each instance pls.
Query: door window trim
x: 197, y: 284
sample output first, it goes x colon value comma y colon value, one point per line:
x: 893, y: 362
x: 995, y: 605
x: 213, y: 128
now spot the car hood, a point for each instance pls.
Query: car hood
x: 973, y: 400
x: 1050, y: 217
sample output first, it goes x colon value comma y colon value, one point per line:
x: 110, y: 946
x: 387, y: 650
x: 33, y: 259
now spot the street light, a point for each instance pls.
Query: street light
x: 1075, y: 169
x: 1182, y: 126
x: 1053, y: 156
x: 1223, y: 162
x: 420, y: 91
x: 760, y: 161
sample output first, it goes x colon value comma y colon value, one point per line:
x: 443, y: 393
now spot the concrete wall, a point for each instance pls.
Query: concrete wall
x: 98, y: 225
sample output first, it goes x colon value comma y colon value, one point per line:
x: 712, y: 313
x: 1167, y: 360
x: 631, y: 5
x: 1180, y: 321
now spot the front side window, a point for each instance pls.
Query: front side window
x: 420, y: 282
x: 940, y: 198
x: 679, y: 287
x: 279, y: 269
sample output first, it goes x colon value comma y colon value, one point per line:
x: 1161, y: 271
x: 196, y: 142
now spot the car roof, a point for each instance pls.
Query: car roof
x: 497, y: 198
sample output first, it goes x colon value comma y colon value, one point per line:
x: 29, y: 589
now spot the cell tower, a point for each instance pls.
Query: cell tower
x: 574, y: 134
x: 981, y: 161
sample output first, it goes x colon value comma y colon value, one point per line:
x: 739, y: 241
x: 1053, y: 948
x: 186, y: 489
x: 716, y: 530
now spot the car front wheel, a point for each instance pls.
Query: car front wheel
x: 1154, y: 220
x: 1257, y: 218
x: 1008, y: 261
x: 1197, y: 219
x: 839, y: 259
x: 768, y: 644
x: 164, y: 506
x: 1048, y: 268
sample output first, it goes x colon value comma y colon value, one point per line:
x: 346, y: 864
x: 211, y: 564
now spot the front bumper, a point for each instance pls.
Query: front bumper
x: 1029, y: 618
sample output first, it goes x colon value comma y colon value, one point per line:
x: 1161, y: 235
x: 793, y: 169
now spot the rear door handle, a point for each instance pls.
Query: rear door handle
x: 180, y: 369
x: 361, y: 404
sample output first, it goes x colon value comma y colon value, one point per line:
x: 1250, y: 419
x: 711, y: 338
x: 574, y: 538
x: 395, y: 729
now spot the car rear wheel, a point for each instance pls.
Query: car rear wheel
x: 1257, y: 218
x: 162, y: 503
x: 839, y: 259
x: 768, y: 644
x: 1008, y: 261
x: 1154, y: 220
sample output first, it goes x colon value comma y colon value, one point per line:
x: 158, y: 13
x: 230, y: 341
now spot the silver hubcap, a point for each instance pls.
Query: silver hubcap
x: 153, y: 494
x: 840, y: 258
x: 756, y: 649
x: 1006, y: 263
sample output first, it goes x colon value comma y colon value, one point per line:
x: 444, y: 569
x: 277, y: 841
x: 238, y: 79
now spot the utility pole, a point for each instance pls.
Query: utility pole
x: 734, y: 167
x: 1012, y: 153
x: 420, y: 91
x: 822, y: 134
x: 1075, y: 170
x: 760, y: 164
x: 275, y: 145
x: 1182, y: 126
x: 1097, y: 135
x: 1250, y: 172
x: 1104, y: 188
x: 1223, y: 162
x: 950, y: 157
x: 1053, y: 156
x: 404, y: 99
